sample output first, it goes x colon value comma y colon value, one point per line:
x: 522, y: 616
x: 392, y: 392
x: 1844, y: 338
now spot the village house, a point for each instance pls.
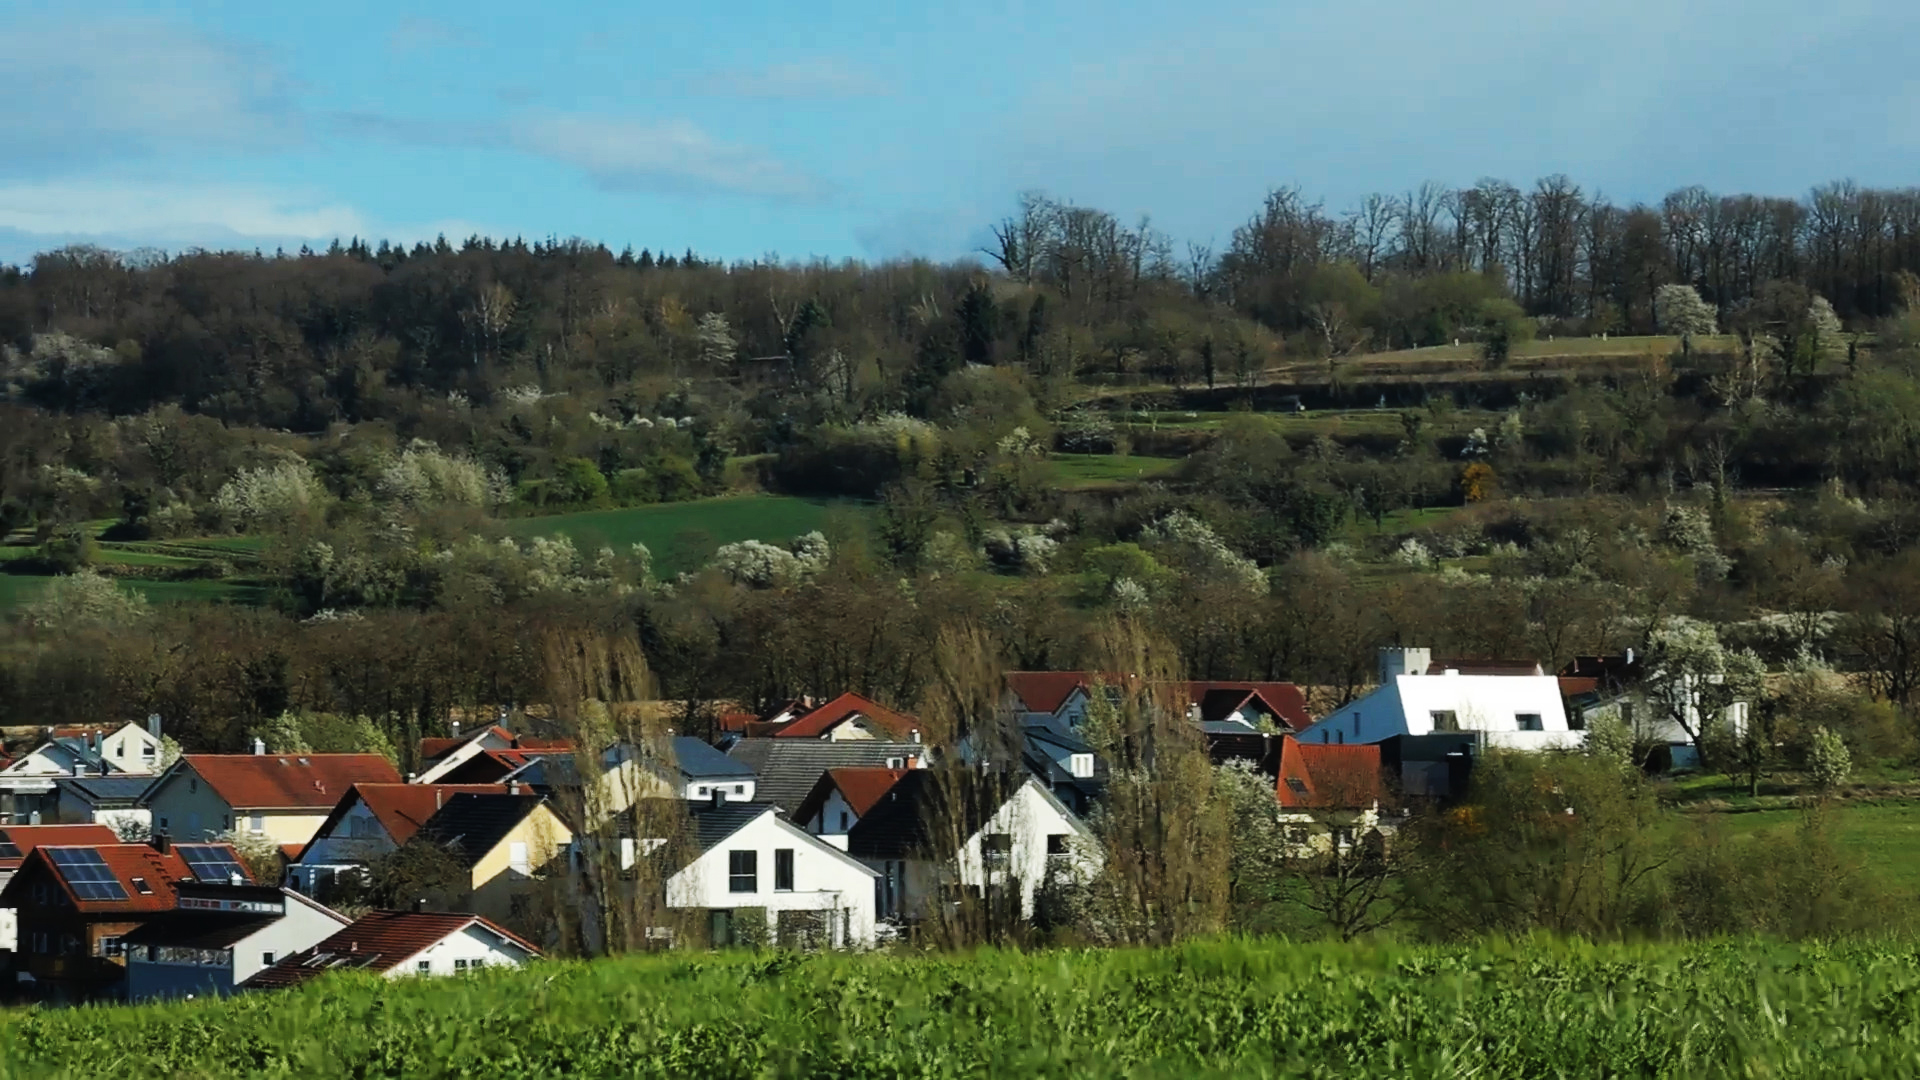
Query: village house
x: 1616, y: 688
x: 1277, y: 706
x: 369, y: 821
x: 482, y: 756
x: 674, y: 767
x: 284, y: 798
x: 219, y: 935
x: 401, y: 943
x: 17, y: 842
x: 506, y: 842
x: 1518, y: 712
x: 787, y: 769
x: 29, y: 788
x: 76, y: 903
x: 1330, y: 795
x: 1004, y: 846
x: 748, y: 861
x: 847, y: 717
x: 840, y: 797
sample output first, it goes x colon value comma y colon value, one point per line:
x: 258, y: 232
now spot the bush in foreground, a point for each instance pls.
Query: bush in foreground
x: 1535, y: 1008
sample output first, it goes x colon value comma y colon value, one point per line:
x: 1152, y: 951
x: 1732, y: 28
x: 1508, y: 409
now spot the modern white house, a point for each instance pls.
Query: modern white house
x: 219, y: 936
x: 401, y: 943
x: 1020, y: 841
x: 750, y: 860
x: 1517, y: 712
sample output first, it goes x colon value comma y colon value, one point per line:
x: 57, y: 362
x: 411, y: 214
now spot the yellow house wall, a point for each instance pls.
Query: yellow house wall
x: 494, y: 882
x: 177, y: 802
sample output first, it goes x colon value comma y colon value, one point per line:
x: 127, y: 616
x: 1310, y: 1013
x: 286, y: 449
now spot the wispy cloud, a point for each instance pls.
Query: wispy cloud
x: 629, y: 155
x: 820, y: 78
x: 77, y: 93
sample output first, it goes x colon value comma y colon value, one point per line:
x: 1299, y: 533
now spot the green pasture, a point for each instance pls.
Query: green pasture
x: 683, y: 535
x: 1073, y: 471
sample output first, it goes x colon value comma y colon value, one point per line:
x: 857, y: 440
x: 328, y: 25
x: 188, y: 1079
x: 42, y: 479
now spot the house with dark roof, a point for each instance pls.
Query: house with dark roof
x: 1001, y: 835
x: 76, y: 903
x: 218, y: 936
x: 840, y: 797
x: 116, y: 800
x: 482, y: 756
x: 747, y: 861
x: 1281, y: 706
x: 507, y: 842
x: 400, y: 943
x: 369, y: 821
x: 676, y: 767
x: 28, y: 778
x: 281, y: 797
x: 787, y: 769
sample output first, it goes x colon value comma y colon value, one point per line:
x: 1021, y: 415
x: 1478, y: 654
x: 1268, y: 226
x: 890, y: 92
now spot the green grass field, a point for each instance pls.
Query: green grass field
x: 1079, y: 471
x: 682, y: 535
x: 1885, y: 837
x: 1230, y: 1008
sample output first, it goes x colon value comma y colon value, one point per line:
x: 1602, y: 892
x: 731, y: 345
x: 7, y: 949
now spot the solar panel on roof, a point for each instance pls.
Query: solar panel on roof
x: 8, y: 849
x: 86, y: 874
x: 210, y: 862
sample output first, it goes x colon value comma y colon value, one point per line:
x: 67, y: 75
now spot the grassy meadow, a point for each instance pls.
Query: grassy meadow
x: 683, y: 535
x: 1234, y: 1007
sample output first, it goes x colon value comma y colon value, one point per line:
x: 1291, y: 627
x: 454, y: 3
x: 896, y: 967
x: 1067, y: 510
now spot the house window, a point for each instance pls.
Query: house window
x: 783, y: 870
x: 42, y: 894
x: 701, y: 791
x: 1529, y: 721
x: 743, y: 871
x: 1056, y: 843
x: 1340, y: 737
x: 266, y: 959
x: 1297, y: 834
x: 843, y: 821
x: 112, y: 946
x: 149, y: 751
x: 1445, y: 720
x: 40, y: 943
x: 459, y: 965
x: 140, y: 886
x: 739, y: 789
x: 1080, y: 765
x: 477, y: 963
x: 193, y: 785
x: 423, y: 967
x: 258, y: 824
x: 120, y: 751
x: 518, y: 858
x: 996, y: 850
x: 226, y: 821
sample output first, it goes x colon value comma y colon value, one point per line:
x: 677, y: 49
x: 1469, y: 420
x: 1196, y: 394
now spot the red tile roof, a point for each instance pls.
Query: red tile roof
x: 1333, y: 777
x: 1575, y: 685
x: 25, y: 838
x: 861, y: 786
x: 845, y: 707
x: 735, y: 721
x: 380, y: 941
x: 1283, y: 699
x: 288, y: 781
x: 1045, y: 691
x: 399, y: 808
x: 160, y: 870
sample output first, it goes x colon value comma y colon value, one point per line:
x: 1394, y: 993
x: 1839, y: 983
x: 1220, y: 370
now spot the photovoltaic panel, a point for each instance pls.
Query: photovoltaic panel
x: 8, y: 849
x: 210, y: 862
x: 86, y: 874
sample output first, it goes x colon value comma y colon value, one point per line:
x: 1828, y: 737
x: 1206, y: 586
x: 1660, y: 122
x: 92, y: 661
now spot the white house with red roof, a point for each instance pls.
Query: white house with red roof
x: 848, y: 717
x: 281, y: 797
x: 401, y: 943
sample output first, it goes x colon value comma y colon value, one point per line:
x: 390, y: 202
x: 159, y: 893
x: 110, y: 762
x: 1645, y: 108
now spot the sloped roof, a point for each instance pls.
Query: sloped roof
x: 380, y: 941
x: 18, y: 841
x: 1045, y: 691
x: 124, y: 862
x: 105, y: 790
x: 469, y: 826
x: 399, y: 808
x: 1482, y: 665
x: 902, y: 823
x: 198, y: 929
x: 817, y: 722
x: 288, y: 781
x: 1219, y: 700
x: 1328, y: 776
x: 861, y: 786
x: 788, y: 768
x: 699, y: 761
x: 713, y: 824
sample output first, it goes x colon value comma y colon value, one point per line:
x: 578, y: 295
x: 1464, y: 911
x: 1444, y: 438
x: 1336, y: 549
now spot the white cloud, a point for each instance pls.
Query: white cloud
x: 817, y: 78
x: 626, y: 155
x: 39, y: 216
x: 73, y: 93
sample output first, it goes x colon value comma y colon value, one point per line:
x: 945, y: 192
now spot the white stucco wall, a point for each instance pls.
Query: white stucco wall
x: 834, y: 819
x: 470, y: 944
x: 824, y: 879
x: 1028, y: 818
x: 1485, y: 703
x: 702, y: 790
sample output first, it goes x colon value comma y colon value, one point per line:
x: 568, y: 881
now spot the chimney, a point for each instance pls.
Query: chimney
x: 234, y: 878
x: 719, y: 797
x: 79, y: 768
x: 456, y: 729
x: 259, y: 747
x: 160, y: 842
x: 915, y: 735
x: 153, y: 724
x: 513, y: 788
x: 420, y: 906
x: 437, y: 793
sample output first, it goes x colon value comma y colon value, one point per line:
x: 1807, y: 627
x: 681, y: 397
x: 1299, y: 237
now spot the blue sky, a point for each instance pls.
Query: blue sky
x: 841, y: 128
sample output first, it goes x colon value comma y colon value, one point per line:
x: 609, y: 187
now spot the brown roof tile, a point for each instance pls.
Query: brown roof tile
x: 819, y: 721
x: 288, y: 781
x: 379, y: 941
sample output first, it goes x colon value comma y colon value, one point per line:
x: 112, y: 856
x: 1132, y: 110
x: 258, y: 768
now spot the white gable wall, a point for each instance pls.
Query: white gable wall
x: 1486, y: 703
x: 731, y: 788
x: 833, y: 820
x: 471, y: 944
x: 824, y: 879
x: 1029, y: 818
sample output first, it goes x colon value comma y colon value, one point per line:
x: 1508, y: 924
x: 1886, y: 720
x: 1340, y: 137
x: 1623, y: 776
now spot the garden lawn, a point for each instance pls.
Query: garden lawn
x: 683, y: 535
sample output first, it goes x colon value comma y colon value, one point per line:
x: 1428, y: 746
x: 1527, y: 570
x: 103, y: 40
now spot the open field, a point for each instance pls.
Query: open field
x: 164, y: 571
x: 682, y: 535
x: 1884, y: 837
x: 1081, y: 471
x: 1221, y: 1008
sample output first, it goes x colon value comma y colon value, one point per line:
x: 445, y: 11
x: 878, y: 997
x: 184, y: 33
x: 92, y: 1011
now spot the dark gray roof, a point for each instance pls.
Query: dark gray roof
x: 788, y: 768
x: 105, y: 790
x: 472, y: 824
x: 713, y: 824
x: 901, y: 824
x: 198, y: 929
x: 699, y: 761
x: 1059, y: 736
